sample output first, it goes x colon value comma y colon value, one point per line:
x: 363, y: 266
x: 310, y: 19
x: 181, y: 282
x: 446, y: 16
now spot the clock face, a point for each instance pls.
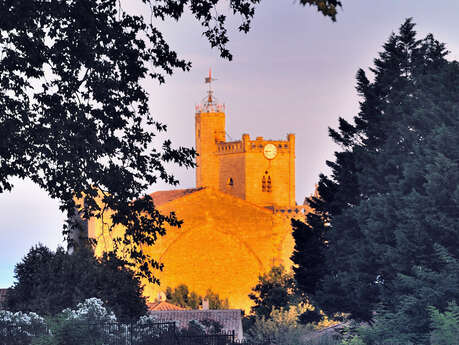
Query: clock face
x: 270, y: 151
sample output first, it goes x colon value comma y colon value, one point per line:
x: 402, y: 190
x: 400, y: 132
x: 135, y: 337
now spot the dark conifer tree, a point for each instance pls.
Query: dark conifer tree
x: 387, y: 217
x: 412, y: 229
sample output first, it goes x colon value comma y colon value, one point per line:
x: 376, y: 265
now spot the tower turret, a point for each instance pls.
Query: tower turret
x: 209, y: 130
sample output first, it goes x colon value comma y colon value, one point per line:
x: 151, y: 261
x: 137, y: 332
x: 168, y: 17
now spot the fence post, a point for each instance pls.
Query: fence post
x: 176, y: 337
x: 131, y: 333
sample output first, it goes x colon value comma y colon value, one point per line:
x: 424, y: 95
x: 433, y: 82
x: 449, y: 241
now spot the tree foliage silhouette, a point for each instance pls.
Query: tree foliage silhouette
x: 183, y: 297
x: 275, y: 289
x: 47, y: 282
x: 74, y: 116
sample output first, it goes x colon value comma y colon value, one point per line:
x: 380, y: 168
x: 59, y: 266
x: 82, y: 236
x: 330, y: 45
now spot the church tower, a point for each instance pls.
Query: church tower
x: 261, y: 171
x: 209, y: 131
x: 236, y: 220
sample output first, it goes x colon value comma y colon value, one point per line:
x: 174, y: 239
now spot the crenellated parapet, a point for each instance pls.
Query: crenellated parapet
x: 282, y: 146
x: 230, y: 147
x: 247, y: 145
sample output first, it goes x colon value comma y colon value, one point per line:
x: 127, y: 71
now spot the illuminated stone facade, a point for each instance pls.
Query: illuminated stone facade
x: 237, y: 219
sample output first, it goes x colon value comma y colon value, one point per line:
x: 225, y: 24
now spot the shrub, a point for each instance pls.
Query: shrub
x: 201, y: 327
x: 445, y: 326
x: 281, y: 327
x: 353, y: 340
x: 88, y: 324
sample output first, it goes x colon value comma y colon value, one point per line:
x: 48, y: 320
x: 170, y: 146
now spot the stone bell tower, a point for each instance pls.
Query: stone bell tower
x: 261, y: 171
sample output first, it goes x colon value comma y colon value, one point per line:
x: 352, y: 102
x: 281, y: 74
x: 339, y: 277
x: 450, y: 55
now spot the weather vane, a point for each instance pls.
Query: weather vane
x: 209, y: 80
x: 210, y: 103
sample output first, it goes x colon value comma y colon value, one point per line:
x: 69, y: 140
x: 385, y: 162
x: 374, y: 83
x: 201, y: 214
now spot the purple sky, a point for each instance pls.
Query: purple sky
x: 293, y: 73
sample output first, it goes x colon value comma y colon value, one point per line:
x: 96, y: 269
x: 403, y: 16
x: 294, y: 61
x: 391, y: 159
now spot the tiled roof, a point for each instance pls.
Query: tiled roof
x: 165, y: 196
x: 163, y: 305
x: 331, y: 331
x: 3, y: 293
x: 230, y: 319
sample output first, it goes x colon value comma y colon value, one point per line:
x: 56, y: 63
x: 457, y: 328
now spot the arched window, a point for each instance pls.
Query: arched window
x: 268, y: 185
x: 230, y: 182
x: 263, y: 184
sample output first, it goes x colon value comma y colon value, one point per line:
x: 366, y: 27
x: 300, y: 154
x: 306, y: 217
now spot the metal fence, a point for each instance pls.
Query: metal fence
x: 76, y: 332
x: 223, y: 338
x: 84, y: 333
x: 20, y: 335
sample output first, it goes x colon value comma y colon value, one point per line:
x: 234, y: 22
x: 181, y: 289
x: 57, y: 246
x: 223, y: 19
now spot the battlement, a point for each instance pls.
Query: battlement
x: 258, y: 145
x: 230, y: 147
x: 247, y: 145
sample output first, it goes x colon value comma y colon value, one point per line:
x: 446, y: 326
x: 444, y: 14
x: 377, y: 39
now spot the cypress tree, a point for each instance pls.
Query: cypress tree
x: 389, y: 211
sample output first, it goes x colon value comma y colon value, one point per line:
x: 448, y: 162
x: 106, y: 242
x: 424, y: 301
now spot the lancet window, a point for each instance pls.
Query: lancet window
x: 266, y: 185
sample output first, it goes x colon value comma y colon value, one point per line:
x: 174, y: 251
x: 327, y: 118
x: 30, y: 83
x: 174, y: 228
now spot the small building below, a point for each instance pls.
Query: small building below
x: 230, y: 319
x: 3, y: 293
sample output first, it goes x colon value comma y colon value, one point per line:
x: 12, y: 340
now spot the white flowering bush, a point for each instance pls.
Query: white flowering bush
x: 89, y: 323
x: 91, y: 310
x: 20, y: 327
x: 21, y: 319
